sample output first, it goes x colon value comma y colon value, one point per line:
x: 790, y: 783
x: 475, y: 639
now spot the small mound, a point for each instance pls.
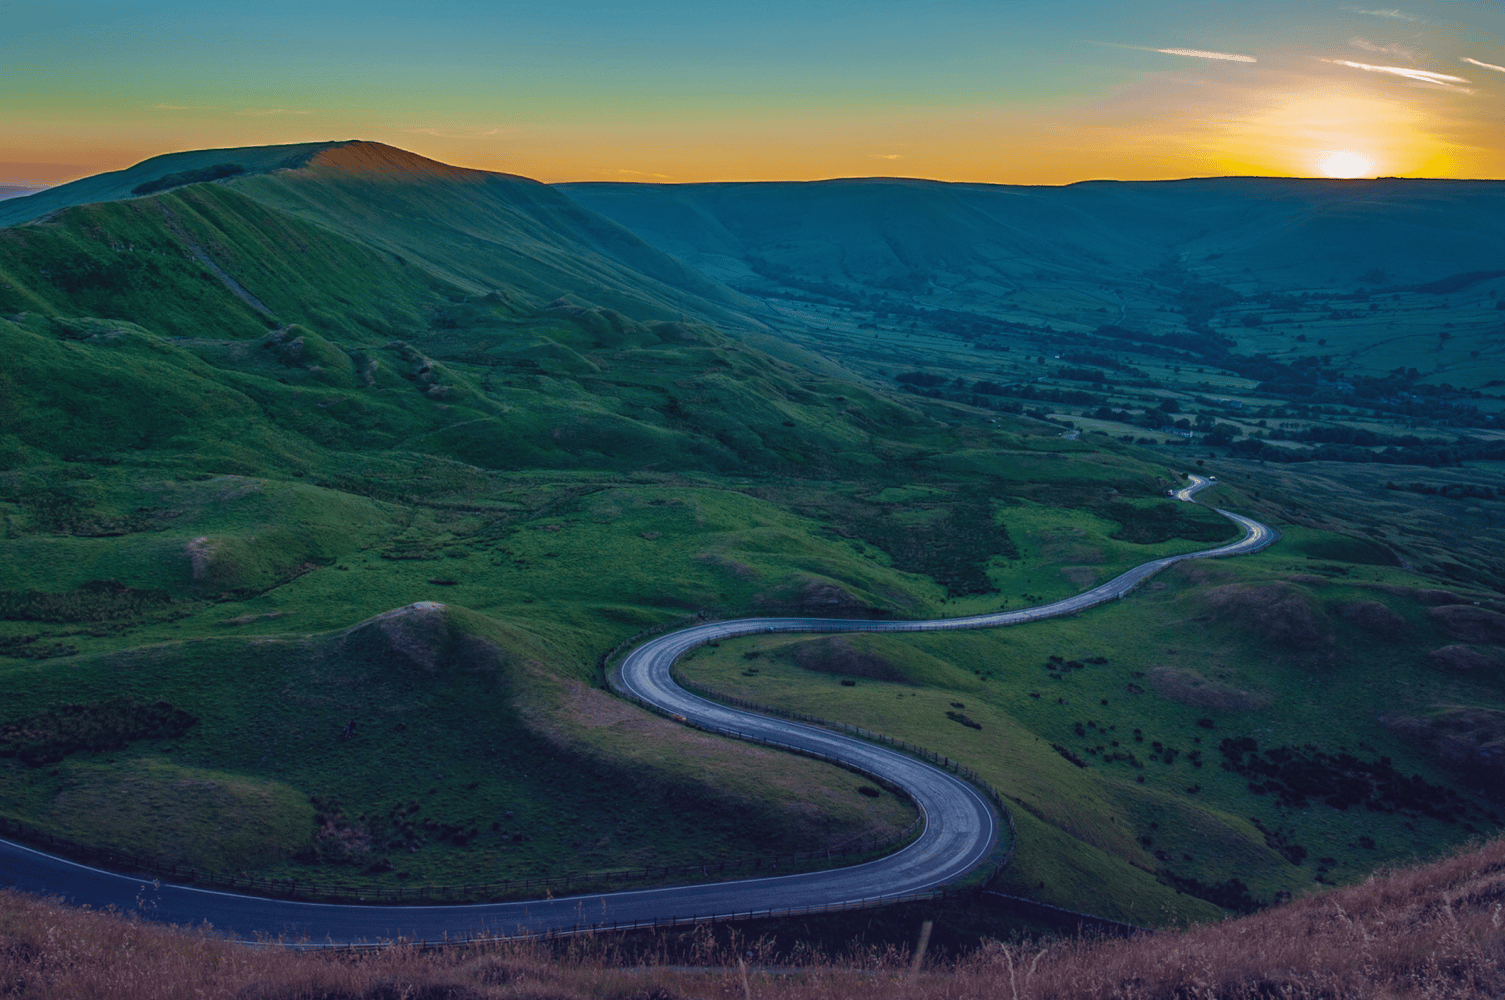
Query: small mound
x: 1467, y: 659
x: 1373, y: 617
x: 1191, y: 688
x: 716, y: 560
x: 426, y: 636
x: 182, y: 815
x: 676, y: 333
x: 838, y: 656
x: 815, y: 594
x: 1201, y: 571
x: 1470, y: 623
x: 805, y: 593
x: 1277, y: 613
x: 1470, y: 739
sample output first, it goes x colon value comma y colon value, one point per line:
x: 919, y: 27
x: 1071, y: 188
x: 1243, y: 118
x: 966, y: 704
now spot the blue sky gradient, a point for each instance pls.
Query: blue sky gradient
x: 980, y: 90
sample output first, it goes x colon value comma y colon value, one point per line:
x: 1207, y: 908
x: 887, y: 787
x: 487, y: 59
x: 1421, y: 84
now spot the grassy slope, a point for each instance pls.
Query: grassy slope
x: 333, y: 432
x: 328, y: 379
x: 1267, y: 646
x: 482, y: 231
x: 457, y: 714
x: 117, y: 185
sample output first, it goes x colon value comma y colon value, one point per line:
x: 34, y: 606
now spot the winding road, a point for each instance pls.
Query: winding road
x: 960, y: 832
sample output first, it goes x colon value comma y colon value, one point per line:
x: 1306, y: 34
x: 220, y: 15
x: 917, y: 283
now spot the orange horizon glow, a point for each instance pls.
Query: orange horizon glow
x: 1278, y: 132
x: 1288, y: 137
x: 589, y: 91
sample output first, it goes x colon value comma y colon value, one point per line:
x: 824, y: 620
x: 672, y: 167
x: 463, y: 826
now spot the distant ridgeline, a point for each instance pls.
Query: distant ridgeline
x: 1323, y: 294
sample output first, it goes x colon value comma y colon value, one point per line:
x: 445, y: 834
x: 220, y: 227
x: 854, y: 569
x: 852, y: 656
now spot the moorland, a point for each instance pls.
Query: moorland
x: 266, y: 409
x: 1425, y: 931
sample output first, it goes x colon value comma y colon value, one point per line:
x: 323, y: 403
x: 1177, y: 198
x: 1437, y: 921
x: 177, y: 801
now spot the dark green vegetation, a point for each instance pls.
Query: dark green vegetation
x: 218, y: 171
x: 50, y: 736
x: 325, y: 483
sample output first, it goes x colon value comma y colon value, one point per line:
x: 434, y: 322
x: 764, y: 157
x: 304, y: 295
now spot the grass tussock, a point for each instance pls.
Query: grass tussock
x: 1429, y: 931
x: 1434, y: 930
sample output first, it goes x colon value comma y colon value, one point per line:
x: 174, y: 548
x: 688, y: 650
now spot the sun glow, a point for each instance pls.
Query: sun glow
x: 1344, y: 163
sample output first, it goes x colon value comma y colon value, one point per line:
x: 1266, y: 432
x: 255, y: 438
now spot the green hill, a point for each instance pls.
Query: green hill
x: 473, y: 229
x: 136, y: 303
x: 251, y: 416
x: 481, y: 231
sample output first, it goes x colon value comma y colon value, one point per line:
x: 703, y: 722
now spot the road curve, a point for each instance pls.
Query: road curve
x: 961, y: 827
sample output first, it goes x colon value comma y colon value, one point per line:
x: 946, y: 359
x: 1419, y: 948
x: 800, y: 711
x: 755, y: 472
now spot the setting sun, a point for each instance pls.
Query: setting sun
x: 1344, y: 163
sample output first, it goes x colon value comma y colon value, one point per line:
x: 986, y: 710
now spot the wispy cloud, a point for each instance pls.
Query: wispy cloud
x: 457, y: 132
x: 1389, y: 14
x: 267, y: 112
x: 1484, y: 65
x: 1202, y: 54
x: 886, y: 156
x: 181, y: 107
x: 1457, y: 83
x: 642, y: 173
x: 1404, y: 52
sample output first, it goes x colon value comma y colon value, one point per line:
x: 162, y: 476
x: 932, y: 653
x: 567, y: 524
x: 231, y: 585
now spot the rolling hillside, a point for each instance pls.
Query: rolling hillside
x: 247, y: 412
x: 473, y: 229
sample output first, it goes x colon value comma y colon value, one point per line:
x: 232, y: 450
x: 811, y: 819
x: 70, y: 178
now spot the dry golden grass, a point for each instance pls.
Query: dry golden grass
x: 1435, y: 930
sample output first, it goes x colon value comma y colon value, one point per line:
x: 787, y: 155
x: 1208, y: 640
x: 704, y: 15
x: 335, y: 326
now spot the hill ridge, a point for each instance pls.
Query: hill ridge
x: 365, y: 156
x: 118, y: 185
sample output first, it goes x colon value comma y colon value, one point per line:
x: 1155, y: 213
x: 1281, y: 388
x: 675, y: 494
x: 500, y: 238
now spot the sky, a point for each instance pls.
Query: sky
x: 999, y: 91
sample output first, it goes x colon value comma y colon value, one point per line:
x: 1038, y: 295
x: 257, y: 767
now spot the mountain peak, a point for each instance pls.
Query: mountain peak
x: 378, y: 158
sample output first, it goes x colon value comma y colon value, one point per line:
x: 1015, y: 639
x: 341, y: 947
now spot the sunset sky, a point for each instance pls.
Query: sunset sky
x: 669, y: 90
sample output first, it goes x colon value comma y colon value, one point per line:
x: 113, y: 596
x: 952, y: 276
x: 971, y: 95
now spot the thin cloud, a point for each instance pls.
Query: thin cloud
x: 266, y: 112
x: 1201, y: 54
x: 1419, y: 75
x: 1386, y: 50
x: 178, y: 107
x: 642, y: 173
x: 1484, y: 65
x: 1390, y: 14
x: 886, y: 156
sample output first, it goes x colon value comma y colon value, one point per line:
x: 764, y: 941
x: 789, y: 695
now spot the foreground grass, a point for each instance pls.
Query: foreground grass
x: 1433, y: 930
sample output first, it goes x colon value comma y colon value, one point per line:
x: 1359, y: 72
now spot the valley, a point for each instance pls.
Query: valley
x: 255, y: 429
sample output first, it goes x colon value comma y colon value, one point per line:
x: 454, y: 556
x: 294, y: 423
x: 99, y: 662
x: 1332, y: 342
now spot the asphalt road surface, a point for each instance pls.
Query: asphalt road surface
x: 960, y: 831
